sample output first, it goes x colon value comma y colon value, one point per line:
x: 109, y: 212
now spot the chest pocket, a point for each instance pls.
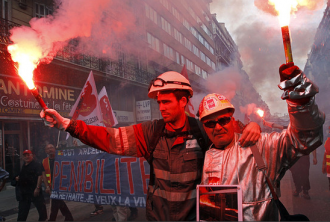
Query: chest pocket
x: 159, y: 154
x: 193, y: 159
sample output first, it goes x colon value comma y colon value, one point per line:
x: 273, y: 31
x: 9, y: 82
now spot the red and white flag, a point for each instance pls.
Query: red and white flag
x: 108, y: 117
x: 87, y: 107
x: 189, y: 108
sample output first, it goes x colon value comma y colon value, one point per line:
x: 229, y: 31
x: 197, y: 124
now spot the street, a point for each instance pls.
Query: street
x: 316, y: 209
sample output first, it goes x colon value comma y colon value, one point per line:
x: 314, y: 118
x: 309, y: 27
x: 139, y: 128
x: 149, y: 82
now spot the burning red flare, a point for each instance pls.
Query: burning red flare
x: 27, y: 62
x: 260, y: 112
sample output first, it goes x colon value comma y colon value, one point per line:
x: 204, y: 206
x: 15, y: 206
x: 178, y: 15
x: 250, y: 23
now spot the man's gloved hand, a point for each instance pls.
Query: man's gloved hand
x: 288, y: 71
x: 53, y: 119
x: 298, y: 89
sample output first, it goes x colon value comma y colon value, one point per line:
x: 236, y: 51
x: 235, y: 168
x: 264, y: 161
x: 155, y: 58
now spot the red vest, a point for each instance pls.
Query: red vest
x: 45, y: 163
x: 327, y: 153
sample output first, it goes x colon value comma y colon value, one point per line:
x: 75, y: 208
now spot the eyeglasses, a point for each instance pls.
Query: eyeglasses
x: 158, y: 82
x: 222, y: 121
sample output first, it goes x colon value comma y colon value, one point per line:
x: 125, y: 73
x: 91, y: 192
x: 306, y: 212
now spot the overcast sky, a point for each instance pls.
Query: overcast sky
x: 259, y: 39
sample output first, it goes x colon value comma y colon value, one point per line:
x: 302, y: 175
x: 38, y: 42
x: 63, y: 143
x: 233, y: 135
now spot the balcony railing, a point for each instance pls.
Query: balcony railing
x: 119, y: 67
x: 5, y: 26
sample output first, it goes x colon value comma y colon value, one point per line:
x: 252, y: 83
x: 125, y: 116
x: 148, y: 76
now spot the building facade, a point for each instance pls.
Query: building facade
x: 317, y: 67
x: 168, y: 35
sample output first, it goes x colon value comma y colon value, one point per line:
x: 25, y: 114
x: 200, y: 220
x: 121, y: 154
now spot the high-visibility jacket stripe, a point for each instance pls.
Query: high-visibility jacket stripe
x: 181, y: 177
x: 173, y: 196
x: 327, y: 156
x: 45, y: 163
x: 129, y: 140
x: 328, y: 164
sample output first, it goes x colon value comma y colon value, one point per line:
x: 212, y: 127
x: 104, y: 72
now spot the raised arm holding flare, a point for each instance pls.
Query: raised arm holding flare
x: 227, y: 163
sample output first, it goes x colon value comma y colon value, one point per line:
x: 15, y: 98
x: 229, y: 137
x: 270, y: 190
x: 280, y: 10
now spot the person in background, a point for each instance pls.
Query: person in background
x: 300, y: 175
x: 4, y: 175
x: 300, y: 170
x: 326, y: 158
x: 228, y: 163
x: 98, y: 210
x: 176, y: 158
x: 29, y: 188
x: 47, y: 174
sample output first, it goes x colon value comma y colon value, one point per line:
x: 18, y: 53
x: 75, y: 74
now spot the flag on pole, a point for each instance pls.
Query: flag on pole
x: 87, y: 107
x: 108, y: 117
x: 189, y: 108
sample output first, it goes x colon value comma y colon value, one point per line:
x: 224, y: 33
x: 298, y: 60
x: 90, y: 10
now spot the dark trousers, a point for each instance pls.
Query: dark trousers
x: 329, y: 182
x: 25, y: 204
x: 59, y: 205
x: 300, y: 174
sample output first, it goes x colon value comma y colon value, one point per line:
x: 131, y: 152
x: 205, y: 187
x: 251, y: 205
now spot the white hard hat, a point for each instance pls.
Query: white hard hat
x: 213, y: 103
x: 168, y: 81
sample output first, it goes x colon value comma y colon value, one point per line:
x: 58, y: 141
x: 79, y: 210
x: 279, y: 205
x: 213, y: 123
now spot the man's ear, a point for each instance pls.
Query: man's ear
x: 183, y: 102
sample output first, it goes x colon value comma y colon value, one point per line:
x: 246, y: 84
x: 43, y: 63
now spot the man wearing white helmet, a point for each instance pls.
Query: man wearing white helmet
x: 169, y: 145
x: 228, y: 163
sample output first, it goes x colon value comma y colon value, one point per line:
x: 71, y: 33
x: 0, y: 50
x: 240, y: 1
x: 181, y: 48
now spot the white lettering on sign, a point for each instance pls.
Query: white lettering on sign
x: 143, y: 111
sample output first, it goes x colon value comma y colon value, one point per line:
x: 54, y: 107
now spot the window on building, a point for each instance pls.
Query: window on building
x: 190, y: 65
x: 41, y: 10
x: 213, y: 65
x: 5, y: 6
x: 177, y: 35
x: 165, y: 3
x: 212, y: 50
x: 166, y: 26
x: 195, y: 50
x: 183, y: 60
x: 187, y: 43
x: 176, y: 14
x: 204, y: 74
x: 153, y: 42
x: 194, y: 32
x: 207, y: 45
x: 168, y: 52
x: 203, y: 57
x: 186, y: 24
x: 208, y: 61
x: 177, y: 55
x: 151, y: 14
x: 198, y: 70
x: 200, y: 38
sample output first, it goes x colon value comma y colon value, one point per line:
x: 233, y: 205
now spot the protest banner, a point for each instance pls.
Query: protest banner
x: 87, y: 175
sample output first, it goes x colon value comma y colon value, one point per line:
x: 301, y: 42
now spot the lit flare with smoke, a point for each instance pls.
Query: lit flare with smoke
x: 260, y: 112
x: 284, y: 9
x: 27, y: 61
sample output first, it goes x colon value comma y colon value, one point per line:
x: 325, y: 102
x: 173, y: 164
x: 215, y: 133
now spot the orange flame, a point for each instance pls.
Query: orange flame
x: 287, y: 7
x: 260, y: 112
x: 27, y: 62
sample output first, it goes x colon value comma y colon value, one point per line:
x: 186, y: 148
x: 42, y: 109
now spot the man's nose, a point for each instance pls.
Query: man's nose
x: 218, y: 127
x: 161, y: 107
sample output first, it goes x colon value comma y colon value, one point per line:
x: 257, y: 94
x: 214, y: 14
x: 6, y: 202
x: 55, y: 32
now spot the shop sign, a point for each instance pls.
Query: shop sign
x: 124, y: 116
x: 16, y: 99
x: 143, y: 111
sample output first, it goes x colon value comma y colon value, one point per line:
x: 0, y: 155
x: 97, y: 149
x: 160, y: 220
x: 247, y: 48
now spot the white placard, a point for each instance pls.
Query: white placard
x: 143, y: 111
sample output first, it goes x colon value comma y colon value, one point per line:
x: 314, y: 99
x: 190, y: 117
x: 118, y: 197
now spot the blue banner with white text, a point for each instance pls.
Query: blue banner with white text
x: 84, y: 174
